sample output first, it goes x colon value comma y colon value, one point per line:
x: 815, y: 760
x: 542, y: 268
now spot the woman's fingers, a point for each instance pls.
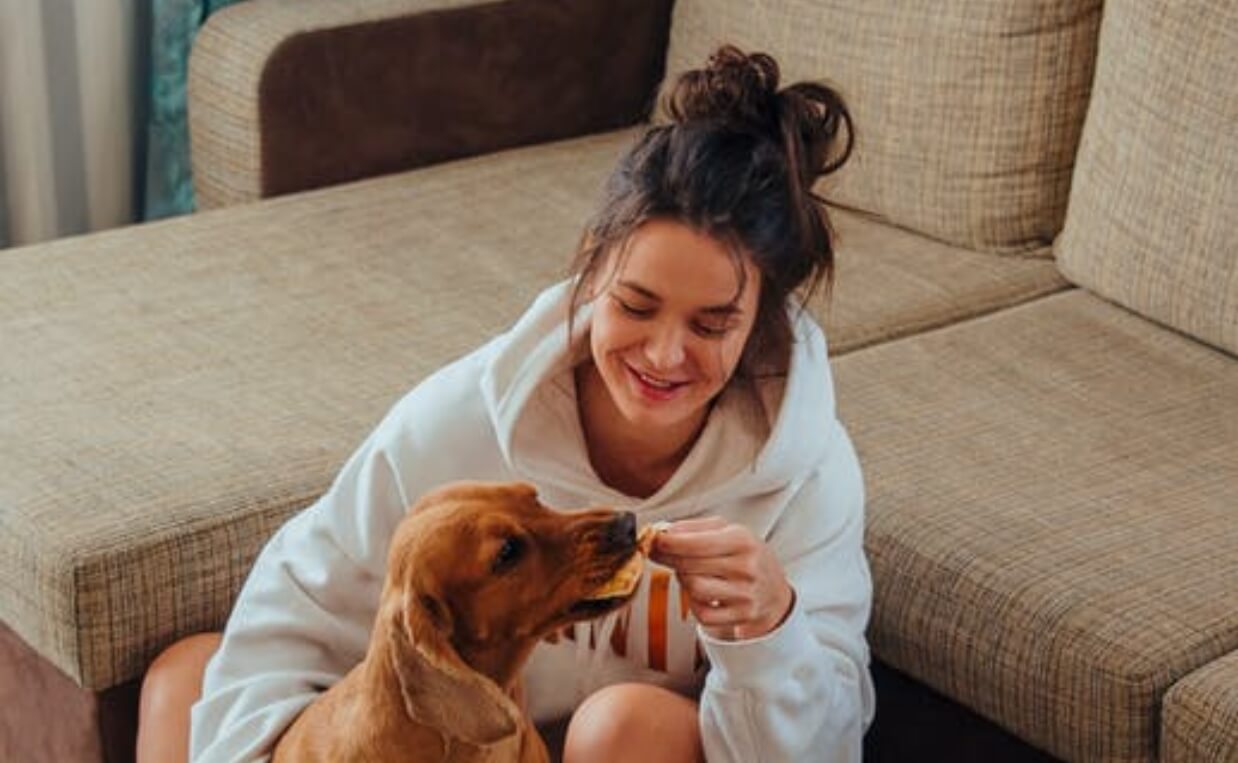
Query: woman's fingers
x: 696, y: 524
x: 703, y: 539
x: 706, y: 589
x: 731, y: 567
x: 713, y: 609
x: 734, y: 584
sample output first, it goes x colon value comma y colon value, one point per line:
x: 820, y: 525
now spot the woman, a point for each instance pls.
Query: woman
x: 674, y: 375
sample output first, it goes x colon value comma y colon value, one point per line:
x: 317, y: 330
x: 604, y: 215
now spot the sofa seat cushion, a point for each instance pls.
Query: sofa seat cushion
x: 1052, y: 515
x: 1154, y: 204
x: 1200, y: 715
x: 967, y: 113
x: 891, y: 282
x: 174, y: 391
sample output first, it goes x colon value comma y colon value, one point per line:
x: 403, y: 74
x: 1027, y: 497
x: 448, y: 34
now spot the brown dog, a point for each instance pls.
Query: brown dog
x: 477, y: 574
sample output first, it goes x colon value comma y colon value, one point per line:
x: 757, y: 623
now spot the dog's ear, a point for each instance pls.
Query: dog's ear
x: 439, y: 690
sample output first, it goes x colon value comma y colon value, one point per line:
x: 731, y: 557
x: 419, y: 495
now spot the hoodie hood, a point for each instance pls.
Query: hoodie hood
x: 759, y: 439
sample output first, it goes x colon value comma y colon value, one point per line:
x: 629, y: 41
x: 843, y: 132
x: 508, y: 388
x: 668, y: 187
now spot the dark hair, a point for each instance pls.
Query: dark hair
x: 737, y: 162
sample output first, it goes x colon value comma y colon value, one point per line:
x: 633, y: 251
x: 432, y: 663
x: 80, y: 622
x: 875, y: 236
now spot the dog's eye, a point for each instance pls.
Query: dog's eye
x: 509, y: 553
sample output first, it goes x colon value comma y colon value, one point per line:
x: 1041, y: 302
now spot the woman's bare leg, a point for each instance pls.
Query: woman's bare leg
x: 634, y: 723
x: 172, y: 684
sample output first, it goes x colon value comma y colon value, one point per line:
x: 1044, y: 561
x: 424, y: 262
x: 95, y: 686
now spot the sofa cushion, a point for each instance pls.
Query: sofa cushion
x: 968, y: 114
x: 1052, y: 493
x: 1200, y: 715
x: 1154, y: 205
x: 173, y: 391
x: 891, y: 282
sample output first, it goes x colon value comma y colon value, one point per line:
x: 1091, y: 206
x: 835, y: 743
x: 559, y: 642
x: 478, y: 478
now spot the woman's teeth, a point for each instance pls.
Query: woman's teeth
x: 652, y: 382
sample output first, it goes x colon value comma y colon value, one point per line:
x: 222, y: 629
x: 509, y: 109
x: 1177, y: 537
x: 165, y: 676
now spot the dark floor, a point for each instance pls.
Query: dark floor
x: 914, y: 723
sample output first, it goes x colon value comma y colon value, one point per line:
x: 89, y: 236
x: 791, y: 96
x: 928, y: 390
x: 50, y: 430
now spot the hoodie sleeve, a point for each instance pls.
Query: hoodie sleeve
x: 304, y: 615
x: 802, y: 692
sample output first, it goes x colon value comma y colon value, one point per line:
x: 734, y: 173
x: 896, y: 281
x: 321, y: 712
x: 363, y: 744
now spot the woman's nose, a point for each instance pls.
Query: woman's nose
x: 665, y: 348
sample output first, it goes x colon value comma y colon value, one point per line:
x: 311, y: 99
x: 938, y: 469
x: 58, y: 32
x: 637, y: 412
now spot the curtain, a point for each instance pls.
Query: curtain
x: 69, y: 103
x: 93, y: 128
x: 169, y: 180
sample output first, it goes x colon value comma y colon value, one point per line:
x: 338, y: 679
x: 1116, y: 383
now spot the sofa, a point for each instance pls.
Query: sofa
x: 1033, y: 331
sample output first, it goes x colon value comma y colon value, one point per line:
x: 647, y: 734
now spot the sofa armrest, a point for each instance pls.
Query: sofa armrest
x: 287, y: 95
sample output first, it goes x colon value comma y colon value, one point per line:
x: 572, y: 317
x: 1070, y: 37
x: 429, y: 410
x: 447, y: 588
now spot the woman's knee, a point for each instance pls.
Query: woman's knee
x: 172, y: 684
x: 634, y: 722
x: 176, y: 674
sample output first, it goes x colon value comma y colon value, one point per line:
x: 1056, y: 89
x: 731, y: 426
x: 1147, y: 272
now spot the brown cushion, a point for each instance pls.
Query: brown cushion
x: 290, y: 96
x: 1051, y: 515
x: 1200, y: 715
x: 968, y: 113
x: 1154, y: 208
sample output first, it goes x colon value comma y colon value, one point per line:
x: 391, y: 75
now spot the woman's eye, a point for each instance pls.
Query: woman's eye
x: 712, y: 330
x: 632, y: 310
x: 509, y: 553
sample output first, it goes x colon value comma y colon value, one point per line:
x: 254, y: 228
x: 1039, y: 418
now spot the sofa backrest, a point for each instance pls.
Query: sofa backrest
x: 1153, y: 218
x: 968, y: 113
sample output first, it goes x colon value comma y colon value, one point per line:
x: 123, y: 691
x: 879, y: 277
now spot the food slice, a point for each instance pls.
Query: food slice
x: 644, y: 541
x: 624, y: 581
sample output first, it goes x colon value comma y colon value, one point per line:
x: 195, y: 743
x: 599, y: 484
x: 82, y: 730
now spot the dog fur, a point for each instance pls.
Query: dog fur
x: 478, y: 573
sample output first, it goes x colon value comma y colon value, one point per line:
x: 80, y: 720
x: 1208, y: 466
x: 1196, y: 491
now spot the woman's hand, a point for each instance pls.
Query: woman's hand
x: 735, y: 585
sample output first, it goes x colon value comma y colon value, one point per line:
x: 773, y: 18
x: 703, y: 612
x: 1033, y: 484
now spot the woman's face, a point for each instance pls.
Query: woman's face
x: 670, y: 323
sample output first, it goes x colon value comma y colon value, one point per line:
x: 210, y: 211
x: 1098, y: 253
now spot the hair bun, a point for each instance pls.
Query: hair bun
x: 740, y: 92
x: 733, y: 88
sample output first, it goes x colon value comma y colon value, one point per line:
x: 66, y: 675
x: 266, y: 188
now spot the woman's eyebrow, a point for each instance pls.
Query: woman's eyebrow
x: 641, y: 290
x: 730, y: 308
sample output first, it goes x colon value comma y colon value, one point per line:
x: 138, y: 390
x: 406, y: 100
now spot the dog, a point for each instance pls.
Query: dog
x: 477, y: 574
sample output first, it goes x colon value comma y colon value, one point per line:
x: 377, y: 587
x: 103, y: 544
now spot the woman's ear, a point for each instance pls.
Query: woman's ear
x: 438, y: 689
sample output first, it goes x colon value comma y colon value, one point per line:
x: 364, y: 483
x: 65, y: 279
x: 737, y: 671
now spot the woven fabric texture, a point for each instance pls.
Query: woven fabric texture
x: 1200, y: 715
x: 968, y: 114
x: 1051, y: 498
x: 142, y: 470
x: 173, y: 391
x: 1154, y: 205
x: 890, y: 282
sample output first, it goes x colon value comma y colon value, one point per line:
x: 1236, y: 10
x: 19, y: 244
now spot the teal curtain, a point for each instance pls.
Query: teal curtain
x: 169, y: 181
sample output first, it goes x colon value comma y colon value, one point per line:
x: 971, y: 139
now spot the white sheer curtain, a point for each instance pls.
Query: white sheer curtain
x: 69, y: 105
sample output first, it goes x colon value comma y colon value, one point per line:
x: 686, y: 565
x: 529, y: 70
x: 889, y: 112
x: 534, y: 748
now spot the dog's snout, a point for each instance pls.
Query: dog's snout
x: 621, y: 532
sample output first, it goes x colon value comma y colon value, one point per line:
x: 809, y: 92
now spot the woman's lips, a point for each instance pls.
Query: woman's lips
x: 652, y: 388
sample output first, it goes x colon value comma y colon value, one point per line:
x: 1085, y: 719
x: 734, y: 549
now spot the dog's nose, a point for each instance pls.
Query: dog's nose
x: 621, y: 532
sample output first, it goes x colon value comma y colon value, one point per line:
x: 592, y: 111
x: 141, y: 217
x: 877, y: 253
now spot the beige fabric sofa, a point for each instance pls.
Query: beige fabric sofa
x: 1034, y: 331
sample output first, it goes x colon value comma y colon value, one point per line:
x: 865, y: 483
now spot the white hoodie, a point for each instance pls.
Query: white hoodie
x: 778, y: 462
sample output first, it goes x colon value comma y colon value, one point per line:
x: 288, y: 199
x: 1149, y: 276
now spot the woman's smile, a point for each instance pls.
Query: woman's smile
x: 655, y: 388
